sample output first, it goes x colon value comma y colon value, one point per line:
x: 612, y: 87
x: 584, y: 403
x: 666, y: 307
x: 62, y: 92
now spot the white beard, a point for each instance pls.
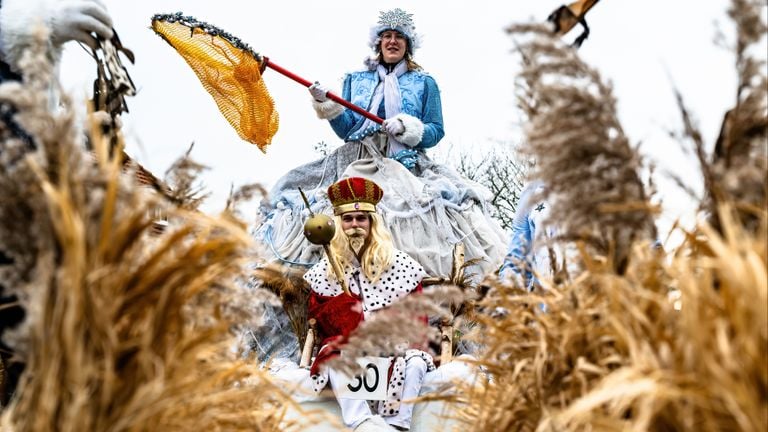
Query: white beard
x: 356, y: 238
x: 357, y: 243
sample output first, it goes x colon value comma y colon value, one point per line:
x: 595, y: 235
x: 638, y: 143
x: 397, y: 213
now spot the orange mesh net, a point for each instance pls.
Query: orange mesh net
x: 229, y: 70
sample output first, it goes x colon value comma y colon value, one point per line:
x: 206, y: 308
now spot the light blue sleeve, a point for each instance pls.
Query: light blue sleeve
x: 345, y: 122
x: 519, y: 249
x: 432, y: 115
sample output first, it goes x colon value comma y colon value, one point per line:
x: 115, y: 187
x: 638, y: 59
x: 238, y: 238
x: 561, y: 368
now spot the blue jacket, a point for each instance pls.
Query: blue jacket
x: 521, y: 256
x: 421, y: 99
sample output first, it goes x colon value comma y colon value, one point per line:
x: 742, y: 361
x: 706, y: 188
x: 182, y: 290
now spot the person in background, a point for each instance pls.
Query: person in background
x: 65, y: 21
x: 377, y: 275
x: 533, y: 251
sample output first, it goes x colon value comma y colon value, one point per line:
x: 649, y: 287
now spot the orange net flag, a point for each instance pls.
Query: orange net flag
x: 229, y: 70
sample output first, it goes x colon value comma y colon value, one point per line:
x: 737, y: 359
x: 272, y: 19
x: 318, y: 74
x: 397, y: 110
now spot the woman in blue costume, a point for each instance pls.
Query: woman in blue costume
x: 431, y: 207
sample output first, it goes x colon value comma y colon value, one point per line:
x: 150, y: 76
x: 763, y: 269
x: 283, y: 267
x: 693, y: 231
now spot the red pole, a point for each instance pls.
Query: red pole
x: 270, y: 64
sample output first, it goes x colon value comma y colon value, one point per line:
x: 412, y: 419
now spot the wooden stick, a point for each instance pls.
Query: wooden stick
x: 309, y: 344
x: 336, y: 270
x: 458, y: 263
x: 431, y: 280
x: 446, y: 342
x: 306, y: 83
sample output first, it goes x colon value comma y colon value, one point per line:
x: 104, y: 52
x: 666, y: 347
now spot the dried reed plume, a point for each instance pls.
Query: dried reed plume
x: 582, y: 156
x: 125, y: 330
x: 292, y: 290
x: 677, y: 346
x: 182, y: 177
x: 736, y: 171
x: 672, y: 341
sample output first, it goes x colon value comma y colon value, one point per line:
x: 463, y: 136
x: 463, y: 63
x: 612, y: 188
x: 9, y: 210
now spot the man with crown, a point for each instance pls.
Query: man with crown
x: 376, y: 276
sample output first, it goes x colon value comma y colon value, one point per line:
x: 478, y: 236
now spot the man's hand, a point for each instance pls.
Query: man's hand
x: 78, y: 20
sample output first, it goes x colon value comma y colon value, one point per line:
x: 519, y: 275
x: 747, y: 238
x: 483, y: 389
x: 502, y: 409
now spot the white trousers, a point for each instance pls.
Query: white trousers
x: 355, y: 411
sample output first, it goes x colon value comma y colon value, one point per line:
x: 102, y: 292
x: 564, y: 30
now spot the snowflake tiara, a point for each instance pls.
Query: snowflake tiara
x: 396, y: 18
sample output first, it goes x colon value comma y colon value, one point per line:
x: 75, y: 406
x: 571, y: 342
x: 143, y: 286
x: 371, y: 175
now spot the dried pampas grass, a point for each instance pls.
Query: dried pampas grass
x: 736, y: 170
x: 582, y: 156
x: 128, y: 330
x: 670, y: 341
x: 674, y: 344
x: 125, y: 330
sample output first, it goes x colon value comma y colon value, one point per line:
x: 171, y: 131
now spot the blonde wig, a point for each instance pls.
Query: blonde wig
x: 377, y: 254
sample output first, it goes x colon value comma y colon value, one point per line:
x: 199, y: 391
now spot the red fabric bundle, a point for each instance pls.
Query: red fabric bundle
x: 336, y: 318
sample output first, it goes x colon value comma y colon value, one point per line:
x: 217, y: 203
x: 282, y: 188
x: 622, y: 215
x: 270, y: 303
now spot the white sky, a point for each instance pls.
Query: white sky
x: 643, y: 47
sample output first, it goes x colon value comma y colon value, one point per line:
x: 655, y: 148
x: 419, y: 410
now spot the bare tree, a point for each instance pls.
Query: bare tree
x: 503, y: 172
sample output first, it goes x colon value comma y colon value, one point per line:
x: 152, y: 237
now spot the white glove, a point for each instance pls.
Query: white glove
x: 78, y: 20
x: 394, y: 126
x: 318, y: 92
x: 405, y: 128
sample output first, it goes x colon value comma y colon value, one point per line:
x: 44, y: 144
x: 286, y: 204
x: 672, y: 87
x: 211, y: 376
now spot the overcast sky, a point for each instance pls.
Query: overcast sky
x: 643, y: 47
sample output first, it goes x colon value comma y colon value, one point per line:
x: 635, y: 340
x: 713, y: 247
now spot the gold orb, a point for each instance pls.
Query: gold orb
x: 319, y: 229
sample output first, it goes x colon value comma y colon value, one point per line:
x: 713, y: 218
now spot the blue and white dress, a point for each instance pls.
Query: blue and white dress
x: 428, y: 207
x: 535, y: 253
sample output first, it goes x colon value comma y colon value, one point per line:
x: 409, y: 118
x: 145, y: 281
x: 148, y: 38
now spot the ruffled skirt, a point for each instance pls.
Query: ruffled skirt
x: 428, y: 209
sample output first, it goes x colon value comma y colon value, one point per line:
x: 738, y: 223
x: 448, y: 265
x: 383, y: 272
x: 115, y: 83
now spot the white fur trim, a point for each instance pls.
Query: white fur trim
x: 414, y: 130
x: 19, y: 22
x: 327, y: 110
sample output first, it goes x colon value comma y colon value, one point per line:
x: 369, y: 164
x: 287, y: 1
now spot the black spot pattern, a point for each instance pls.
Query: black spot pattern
x: 391, y: 406
x: 402, y: 276
x: 319, y: 381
